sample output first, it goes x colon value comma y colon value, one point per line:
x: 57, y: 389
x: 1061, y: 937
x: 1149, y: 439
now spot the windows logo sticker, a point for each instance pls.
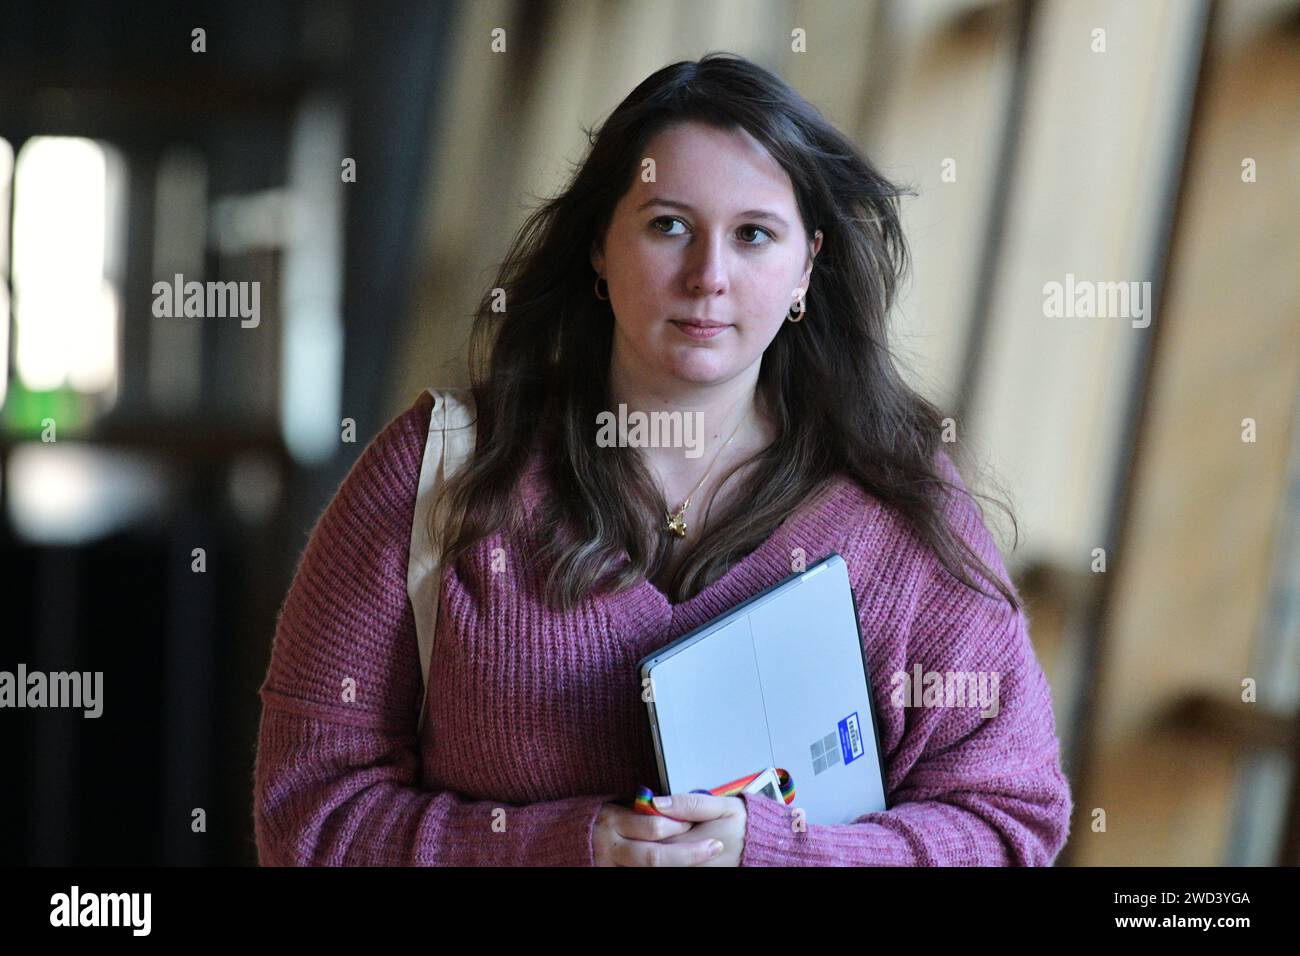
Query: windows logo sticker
x: 825, y: 753
x: 848, y: 734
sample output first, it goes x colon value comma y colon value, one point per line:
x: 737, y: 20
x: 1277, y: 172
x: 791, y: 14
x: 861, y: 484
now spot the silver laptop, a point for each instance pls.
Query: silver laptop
x: 778, y: 681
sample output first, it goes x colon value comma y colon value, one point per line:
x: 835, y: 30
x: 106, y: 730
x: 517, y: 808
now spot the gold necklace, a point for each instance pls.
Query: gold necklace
x: 677, y: 520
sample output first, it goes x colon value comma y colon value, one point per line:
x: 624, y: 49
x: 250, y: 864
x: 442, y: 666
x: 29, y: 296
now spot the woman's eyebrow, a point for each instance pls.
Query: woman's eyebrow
x: 747, y: 214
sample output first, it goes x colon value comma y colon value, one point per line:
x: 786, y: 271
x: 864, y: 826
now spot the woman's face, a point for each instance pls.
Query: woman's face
x: 717, y: 236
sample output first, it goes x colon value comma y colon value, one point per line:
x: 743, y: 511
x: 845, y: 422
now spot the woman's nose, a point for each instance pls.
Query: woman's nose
x: 707, y: 270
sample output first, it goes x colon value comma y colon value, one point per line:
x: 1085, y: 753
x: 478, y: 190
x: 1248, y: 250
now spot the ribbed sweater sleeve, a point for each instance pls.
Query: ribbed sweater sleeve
x: 964, y: 789
x: 335, y: 780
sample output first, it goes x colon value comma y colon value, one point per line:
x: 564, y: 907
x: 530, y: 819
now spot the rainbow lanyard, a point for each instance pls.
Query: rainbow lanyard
x: 642, y: 802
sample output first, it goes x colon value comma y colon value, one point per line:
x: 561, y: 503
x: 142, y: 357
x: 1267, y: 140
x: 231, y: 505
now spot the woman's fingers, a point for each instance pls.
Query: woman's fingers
x: 618, y: 828
x: 697, y: 807
x: 641, y: 826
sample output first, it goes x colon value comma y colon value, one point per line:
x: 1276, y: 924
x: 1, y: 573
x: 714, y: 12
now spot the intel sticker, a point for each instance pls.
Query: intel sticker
x: 851, y: 738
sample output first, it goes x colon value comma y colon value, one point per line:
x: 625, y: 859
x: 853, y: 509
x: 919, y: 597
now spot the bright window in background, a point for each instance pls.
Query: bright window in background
x: 68, y: 194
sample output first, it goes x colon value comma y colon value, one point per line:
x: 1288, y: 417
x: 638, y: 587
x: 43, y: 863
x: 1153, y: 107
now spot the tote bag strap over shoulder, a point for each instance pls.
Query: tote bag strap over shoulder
x: 449, y: 445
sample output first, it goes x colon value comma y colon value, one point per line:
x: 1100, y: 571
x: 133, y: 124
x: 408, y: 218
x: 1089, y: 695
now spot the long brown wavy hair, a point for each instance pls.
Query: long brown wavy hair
x: 539, y: 368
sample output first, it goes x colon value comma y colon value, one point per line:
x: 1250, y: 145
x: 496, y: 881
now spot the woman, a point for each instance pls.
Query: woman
x: 723, y: 253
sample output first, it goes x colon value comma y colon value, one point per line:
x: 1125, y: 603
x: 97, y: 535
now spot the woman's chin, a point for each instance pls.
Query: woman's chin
x: 699, y: 370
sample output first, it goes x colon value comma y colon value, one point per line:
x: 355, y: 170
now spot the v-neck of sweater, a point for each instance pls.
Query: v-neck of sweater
x: 645, y: 616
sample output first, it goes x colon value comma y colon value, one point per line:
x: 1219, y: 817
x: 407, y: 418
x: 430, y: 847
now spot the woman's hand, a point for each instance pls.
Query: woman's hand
x: 623, y: 837
x: 723, y: 818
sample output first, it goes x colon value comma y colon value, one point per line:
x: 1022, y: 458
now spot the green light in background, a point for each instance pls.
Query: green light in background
x: 25, y: 410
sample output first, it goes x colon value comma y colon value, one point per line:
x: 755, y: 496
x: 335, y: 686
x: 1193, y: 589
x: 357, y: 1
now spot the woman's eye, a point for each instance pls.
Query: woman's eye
x: 759, y: 229
x: 670, y: 219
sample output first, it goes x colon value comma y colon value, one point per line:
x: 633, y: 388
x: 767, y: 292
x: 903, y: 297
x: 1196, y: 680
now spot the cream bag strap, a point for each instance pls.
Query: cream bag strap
x: 449, y: 445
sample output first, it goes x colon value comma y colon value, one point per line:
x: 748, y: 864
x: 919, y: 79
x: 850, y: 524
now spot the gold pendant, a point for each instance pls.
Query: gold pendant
x: 677, y: 523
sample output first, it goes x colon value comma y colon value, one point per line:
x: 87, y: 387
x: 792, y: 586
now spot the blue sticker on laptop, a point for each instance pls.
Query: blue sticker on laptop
x: 851, y: 738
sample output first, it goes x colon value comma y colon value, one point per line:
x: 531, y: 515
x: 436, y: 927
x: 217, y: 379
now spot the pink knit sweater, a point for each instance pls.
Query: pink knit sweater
x: 536, y: 718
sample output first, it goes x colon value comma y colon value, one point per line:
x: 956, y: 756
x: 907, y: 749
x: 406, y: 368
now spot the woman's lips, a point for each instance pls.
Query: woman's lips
x: 700, y: 332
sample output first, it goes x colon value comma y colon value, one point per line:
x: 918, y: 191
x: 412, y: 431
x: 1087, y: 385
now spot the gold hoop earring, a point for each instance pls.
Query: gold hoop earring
x: 605, y: 297
x: 800, y: 312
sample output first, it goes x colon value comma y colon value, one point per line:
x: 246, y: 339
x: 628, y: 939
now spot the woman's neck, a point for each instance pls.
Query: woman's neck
x: 706, y: 417
x: 699, y: 477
